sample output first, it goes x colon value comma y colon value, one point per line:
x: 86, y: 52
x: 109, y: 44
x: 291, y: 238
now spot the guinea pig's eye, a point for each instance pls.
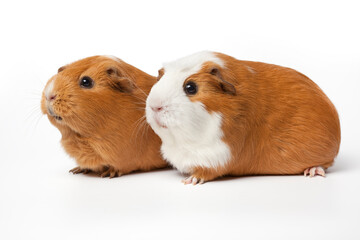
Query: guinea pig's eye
x: 86, y: 82
x: 190, y: 88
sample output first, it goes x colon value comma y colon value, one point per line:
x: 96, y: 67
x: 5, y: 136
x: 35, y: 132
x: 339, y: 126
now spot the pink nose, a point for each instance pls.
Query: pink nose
x: 52, y: 98
x: 156, y: 109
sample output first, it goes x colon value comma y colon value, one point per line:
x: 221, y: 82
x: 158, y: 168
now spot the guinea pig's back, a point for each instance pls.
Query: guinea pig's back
x: 298, y: 126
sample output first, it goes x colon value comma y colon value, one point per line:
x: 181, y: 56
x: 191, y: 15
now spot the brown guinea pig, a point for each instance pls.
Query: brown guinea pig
x: 217, y: 116
x: 98, y: 104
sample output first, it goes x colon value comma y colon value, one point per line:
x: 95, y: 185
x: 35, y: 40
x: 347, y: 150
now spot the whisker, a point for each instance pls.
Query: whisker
x: 141, y: 118
x: 140, y: 103
x: 139, y: 142
x: 137, y: 124
x: 142, y: 92
x: 32, y: 111
x: 32, y: 119
x: 144, y: 130
x: 38, y: 120
x: 139, y: 131
x: 141, y: 99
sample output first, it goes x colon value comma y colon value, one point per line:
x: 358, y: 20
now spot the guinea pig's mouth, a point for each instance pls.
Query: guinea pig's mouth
x: 159, y: 123
x: 51, y: 113
x: 58, y: 118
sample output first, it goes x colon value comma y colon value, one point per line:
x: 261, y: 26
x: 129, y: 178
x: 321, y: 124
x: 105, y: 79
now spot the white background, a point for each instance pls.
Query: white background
x: 39, y: 199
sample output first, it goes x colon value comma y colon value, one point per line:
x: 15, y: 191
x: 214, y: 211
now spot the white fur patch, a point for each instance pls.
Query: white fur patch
x: 190, y: 135
x: 191, y: 64
x: 49, y: 89
x: 204, y: 149
x: 112, y: 57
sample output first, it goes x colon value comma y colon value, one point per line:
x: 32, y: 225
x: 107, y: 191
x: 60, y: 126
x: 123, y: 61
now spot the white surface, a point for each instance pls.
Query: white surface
x: 39, y: 199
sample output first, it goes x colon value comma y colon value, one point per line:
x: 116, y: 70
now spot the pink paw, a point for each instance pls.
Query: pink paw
x: 313, y: 171
x: 192, y: 180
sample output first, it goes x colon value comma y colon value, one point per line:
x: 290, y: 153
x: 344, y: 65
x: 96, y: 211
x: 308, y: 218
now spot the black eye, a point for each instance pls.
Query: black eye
x: 86, y: 82
x: 190, y: 88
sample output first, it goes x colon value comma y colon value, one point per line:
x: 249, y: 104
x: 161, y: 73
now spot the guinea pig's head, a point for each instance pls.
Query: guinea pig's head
x: 83, y: 96
x: 187, y: 101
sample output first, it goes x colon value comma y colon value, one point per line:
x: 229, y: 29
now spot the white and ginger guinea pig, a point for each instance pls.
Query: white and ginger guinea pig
x: 218, y: 116
x: 98, y: 104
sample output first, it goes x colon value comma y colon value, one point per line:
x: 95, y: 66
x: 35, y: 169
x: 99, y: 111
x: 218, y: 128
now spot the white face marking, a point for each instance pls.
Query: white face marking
x: 49, y: 89
x: 191, y: 136
x: 168, y: 91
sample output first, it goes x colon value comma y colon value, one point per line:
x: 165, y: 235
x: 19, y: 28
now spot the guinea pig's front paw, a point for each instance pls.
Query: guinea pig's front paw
x: 313, y: 171
x: 110, y: 172
x: 201, y: 175
x: 78, y: 170
x: 193, y: 180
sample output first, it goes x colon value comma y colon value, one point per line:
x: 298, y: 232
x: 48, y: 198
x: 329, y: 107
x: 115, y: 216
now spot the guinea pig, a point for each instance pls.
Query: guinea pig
x: 98, y: 104
x: 218, y: 116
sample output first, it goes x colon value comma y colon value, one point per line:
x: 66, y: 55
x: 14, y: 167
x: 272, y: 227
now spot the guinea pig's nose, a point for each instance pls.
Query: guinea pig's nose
x: 51, y: 97
x: 157, y: 109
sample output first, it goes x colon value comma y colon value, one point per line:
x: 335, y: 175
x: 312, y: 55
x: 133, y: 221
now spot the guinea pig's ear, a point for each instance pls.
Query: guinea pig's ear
x: 61, y: 69
x: 225, y: 85
x: 120, y: 83
x: 113, y: 71
x: 124, y: 85
x: 161, y: 73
